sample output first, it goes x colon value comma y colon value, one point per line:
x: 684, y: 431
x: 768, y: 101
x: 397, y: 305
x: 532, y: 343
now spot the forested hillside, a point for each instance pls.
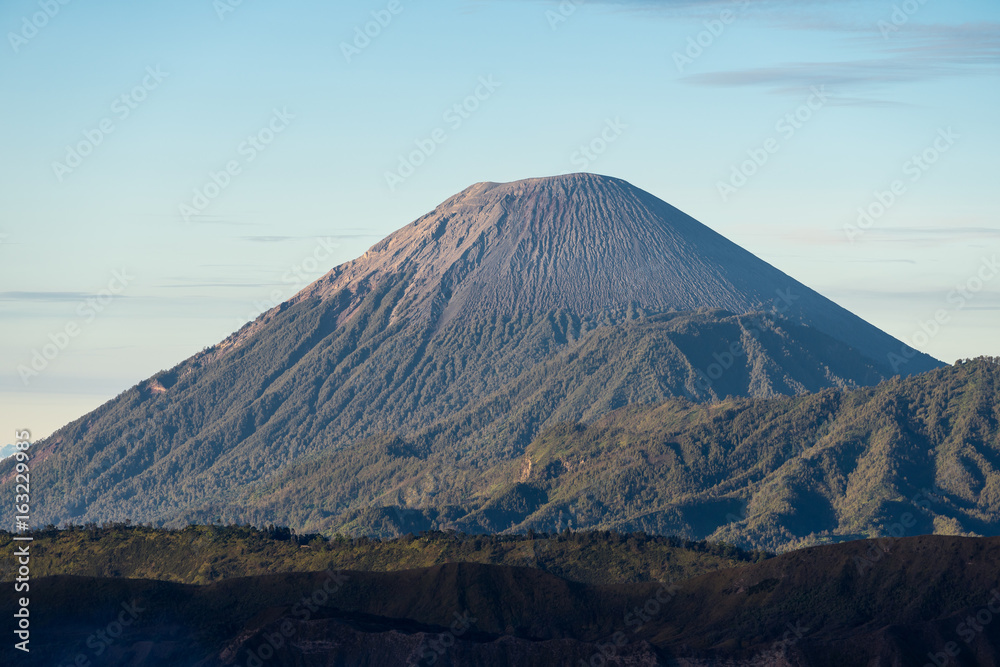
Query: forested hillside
x: 921, y: 455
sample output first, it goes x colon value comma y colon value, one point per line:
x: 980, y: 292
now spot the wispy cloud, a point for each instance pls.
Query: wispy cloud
x: 920, y: 53
x: 963, y: 232
x: 215, y: 285
x: 267, y: 239
x: 49, y: 297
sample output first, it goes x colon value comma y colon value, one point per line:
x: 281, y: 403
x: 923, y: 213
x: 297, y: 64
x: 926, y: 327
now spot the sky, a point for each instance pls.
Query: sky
x: 169, y: 170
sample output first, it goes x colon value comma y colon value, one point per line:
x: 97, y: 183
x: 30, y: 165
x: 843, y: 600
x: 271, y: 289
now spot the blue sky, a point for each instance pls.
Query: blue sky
x: 170, y: 169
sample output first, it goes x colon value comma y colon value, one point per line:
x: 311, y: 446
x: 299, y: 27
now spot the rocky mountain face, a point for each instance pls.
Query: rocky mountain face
x: 507, y: 309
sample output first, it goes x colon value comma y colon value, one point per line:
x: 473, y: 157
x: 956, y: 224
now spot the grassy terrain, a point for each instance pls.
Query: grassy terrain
x: 203, y: 554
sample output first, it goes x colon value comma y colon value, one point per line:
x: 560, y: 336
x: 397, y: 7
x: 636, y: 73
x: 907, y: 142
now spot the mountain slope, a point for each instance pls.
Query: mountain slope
x: 501, y: 304
x: 760, y: 473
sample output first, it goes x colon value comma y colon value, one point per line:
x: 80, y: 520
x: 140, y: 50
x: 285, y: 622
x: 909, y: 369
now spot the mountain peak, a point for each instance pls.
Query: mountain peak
x: 584, y: 243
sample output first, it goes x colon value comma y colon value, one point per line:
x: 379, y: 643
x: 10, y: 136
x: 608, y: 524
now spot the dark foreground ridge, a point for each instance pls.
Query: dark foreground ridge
x: 894, y: 602
x: 507, y: 309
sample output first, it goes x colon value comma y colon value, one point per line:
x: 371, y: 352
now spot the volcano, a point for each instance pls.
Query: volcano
x: 506, y: 309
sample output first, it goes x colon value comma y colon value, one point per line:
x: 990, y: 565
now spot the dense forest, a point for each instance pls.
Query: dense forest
x: 762, y: 473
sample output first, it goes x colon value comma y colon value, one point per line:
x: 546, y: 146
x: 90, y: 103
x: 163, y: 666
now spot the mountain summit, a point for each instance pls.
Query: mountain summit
x: 588, y: 244
x: 506, y: 309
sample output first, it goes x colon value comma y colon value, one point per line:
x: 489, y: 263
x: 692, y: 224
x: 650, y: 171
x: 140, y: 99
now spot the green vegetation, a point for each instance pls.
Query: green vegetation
x: 277, y: 429
x: 762, y: 473
x: 300, y: 386
x: 203, y: 554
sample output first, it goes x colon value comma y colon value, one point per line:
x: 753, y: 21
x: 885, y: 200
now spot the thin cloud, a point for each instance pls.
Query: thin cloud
x: 965, y: 231
x: 49, y: 297
x: 214, y: 285
x: 793, y: 78
x: 267, y: 239
x: 918, y: 53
